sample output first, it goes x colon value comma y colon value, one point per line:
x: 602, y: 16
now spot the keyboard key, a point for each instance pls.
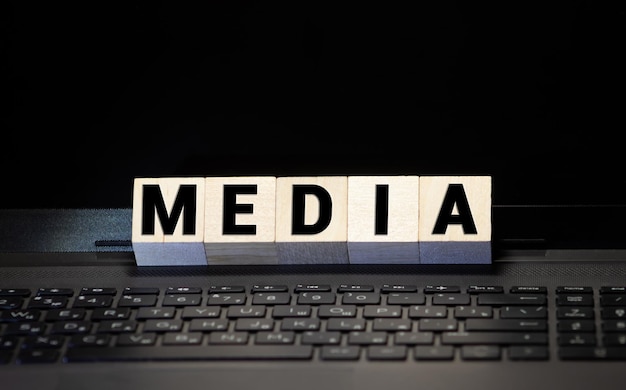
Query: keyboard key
x: 93, y: 301
x: 592, y: 353
x: 145, y: 313
x: 378, y: 352
x: 48, y: 302
x: 271, y: 298
x: 67, y: 292
x: 98, y: 291
x: 92, y: 340
x: 435, y: 324
x: 119, y: 313
x: 316, y: 298
x: 346, y: 324
x: 500, y: 338
x: 30, y: 356
x: 430, y: 289
x: 191, y: 338
x: 201, y: 312
x: 350, y: 352
x: 141, y: 291
x: 576, y: 326
x: 463, y: 312
x: 181, y: 353
x: 207, y: 325
x: 227, y: 299
x: 480, y: 352
x: 20, y: 315
x: 392, y: 324
x: 574, y: 300
x: 318, y: 338
x: 414, y: 338
x: 37, y: 342
x: 511, y: 299
x: 163, y: 325
x: 485, y: 289
x: 300, y: 324
x: 505, y: 325
x: 283, y: 311
x: 183, y: 290
x: 287, y: 337
x: 528, y: 352
x: 575, y: 313
x: 71, y: 327
x: 180, y: 300
x: 577, y: 339
x: 312, y: 287
x: 143, y: 339
x: 254, y: 324
x: 14, y: 292
x: 524, y: 312
x: 365, y: 338
x: 398, y: 288
x: 428, y: 312
x: 440, y: 352
x: 405, y: 298
x: 11, y: 302
x: 451, y: 299
x: 329, y: 311
x: 122, y: 326
x: 137, y: 301
x: 361, y: 298
x: 574, y: 290
x: 229, y: 338
x: 65, y: 314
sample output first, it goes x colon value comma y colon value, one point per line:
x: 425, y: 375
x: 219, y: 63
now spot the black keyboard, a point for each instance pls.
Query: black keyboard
x: 312, y: 322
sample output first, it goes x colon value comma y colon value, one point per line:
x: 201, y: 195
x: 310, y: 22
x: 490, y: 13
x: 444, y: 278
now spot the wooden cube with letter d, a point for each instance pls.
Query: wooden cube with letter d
x: 312, y: 220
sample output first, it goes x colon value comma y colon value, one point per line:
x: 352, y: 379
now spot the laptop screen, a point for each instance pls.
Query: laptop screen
x: 99, y: 95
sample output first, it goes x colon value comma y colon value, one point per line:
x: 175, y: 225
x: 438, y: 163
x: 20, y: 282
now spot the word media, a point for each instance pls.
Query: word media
x: 312, y: 220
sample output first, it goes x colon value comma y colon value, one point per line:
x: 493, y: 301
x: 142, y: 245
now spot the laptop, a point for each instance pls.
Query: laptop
x: 101, y: 95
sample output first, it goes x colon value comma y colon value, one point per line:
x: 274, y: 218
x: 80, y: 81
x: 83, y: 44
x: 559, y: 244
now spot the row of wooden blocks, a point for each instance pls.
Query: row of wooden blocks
x: 312, y: 220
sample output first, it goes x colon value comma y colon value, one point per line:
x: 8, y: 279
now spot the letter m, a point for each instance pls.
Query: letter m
x: 153, y: 204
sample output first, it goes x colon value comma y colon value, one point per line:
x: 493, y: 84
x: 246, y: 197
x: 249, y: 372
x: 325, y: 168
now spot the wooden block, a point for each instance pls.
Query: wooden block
x: 311, y: 220
x: 168, y: 221
x: 383, y: 219
x: 240, y: 220
x: 455, y: 220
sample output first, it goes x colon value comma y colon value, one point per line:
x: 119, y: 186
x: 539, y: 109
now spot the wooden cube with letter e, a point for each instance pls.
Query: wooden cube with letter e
x: 240, y: 219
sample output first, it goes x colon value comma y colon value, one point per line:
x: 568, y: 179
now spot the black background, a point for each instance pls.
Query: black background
x: 98, y: 93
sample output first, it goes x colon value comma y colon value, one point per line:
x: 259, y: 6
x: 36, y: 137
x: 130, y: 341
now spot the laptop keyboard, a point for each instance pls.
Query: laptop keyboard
x: 312, y: 322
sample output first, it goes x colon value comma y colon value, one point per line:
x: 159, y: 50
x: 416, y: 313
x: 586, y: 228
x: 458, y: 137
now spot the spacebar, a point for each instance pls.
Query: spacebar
x: 182, y: 353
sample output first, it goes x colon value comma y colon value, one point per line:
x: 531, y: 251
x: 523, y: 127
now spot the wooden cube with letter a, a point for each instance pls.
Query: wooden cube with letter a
x: 311, y: 220
x: 455, y: 220
x: 383, y: 214
x: 240, y: 218
x: 168, y: 221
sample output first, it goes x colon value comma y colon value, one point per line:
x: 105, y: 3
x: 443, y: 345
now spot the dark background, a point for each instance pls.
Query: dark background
x: 98, y: 93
